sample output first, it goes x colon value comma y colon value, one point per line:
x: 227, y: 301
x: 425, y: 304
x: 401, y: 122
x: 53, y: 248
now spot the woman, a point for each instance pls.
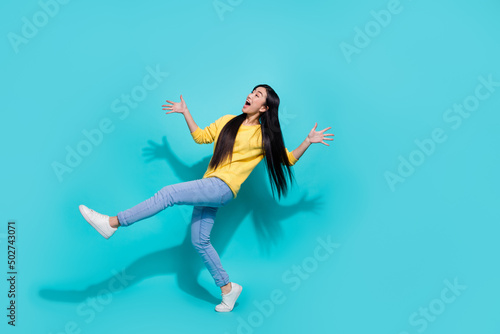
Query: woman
x: 240, y: 143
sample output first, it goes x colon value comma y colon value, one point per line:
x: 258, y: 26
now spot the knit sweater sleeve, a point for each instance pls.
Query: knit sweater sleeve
x: 209, y: 133
x: 291, y: 157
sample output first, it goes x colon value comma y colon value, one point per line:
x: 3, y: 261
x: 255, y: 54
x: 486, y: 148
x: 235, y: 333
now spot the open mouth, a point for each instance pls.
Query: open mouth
x: 247, y: 103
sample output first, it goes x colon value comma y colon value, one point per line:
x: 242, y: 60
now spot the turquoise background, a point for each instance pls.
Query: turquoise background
x: 396, y: 248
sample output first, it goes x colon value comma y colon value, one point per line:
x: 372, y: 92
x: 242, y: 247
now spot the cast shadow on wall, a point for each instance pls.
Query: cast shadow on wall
x: 254, y: 198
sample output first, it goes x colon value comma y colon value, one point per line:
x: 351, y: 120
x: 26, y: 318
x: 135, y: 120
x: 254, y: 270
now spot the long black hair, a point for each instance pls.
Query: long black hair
x: 275, y: 156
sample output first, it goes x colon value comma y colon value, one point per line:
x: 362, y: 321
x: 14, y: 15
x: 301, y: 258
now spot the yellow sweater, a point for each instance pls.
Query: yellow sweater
x: 247, y: 152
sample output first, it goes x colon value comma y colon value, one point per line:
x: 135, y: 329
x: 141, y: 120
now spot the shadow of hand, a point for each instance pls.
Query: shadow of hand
x: 314, y: 204
x: 268, y: 220
x: 156, y: 151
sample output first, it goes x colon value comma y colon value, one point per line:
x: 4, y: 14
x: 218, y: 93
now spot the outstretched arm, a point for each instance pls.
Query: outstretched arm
x: 181, y: 108
x: 313, y: 137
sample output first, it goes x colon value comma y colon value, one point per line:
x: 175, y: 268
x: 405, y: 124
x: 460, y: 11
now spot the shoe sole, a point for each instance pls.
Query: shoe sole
x: 96, y: 227
x: 240, y: 288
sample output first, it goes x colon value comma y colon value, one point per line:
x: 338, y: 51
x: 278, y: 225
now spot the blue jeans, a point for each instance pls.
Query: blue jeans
x: 206, y: 195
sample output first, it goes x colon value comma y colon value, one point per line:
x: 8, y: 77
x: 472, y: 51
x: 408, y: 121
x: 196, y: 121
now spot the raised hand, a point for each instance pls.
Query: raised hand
x: 178, y: 107
x: 318, y: 136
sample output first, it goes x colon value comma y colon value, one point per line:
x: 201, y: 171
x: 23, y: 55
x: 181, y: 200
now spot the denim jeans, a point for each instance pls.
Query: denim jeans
x: 206, y: 195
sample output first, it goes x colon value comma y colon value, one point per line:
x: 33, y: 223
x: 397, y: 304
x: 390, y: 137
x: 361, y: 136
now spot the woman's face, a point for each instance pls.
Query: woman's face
x: 256, y: 101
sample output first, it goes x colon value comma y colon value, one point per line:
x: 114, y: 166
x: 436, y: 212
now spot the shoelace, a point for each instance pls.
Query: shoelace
x: 97, y: 214
x: 101, y: 216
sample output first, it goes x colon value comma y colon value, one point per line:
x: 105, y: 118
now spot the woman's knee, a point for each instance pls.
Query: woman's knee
x: 199, y: 243
x: 164, y: 196
x: 201, y: 226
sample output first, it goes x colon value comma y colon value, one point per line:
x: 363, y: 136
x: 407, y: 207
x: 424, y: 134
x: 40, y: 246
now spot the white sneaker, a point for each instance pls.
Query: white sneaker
x: 98, y: 221
x: 229, y: 299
